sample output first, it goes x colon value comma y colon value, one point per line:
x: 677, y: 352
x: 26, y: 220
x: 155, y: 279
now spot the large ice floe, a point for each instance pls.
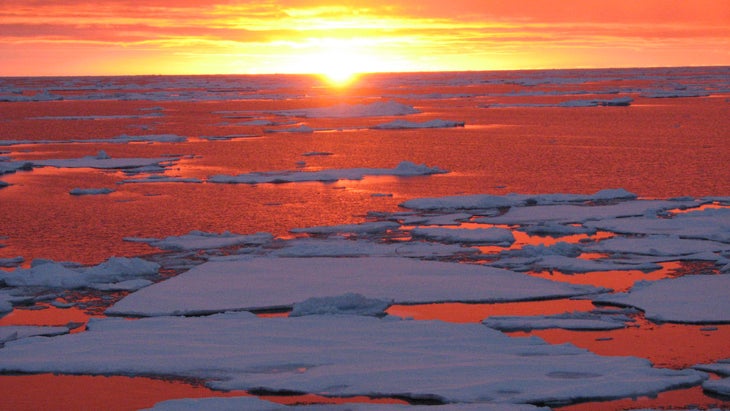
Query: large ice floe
x: 253, y: 403
x: 345, y: 356
x: 404, y: 169
x: 698, y: 299
x: 103, y: 161
x: 258, y: 283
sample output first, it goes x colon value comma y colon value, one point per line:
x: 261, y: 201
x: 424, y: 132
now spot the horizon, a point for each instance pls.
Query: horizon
x: 359, y: 74
x: 189, y: 37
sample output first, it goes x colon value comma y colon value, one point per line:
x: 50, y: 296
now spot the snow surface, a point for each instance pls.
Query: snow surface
x: 349, y: 303
x: 200, y: 240
x: 363, y: 228
x: 405, y: 124
x: 695, y: 299
x: 718, y: 387
x: 264, y: 283
x: 57, y: 275
x: 16, y: 332
x: 488, y: 201
x: 709, y: 224
x: 103, y: 161
x: 404, y: 169
x: 253, y: 403
x: 90, y: 191
x: 343, y: 247
x: 346, y: 355
x: 493, y: 236
x: 657, y: 245
x: 566, y: 321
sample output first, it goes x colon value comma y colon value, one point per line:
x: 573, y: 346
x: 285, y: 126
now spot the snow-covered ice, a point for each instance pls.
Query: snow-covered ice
x: 103, y: 161
x: 404, y: 169
x: 492, y: 235
x: 363, y: 228
x: 349, y: 303
x: 200, y: 240
x: 345, y: 356
x: 16, y: 332
x: 253, y: 403
x: 567, y: 321
x: 90, y: 191
x: 343, y: 247
x: 694, y: 299
x: 58, y: 275
x: 265, y: 283
x: 405, y: 124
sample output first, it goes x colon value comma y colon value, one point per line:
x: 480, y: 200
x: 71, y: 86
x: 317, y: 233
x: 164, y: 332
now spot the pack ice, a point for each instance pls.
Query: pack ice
x: 345, y: 356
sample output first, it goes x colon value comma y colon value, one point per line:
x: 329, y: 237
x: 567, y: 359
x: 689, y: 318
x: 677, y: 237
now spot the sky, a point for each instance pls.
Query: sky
x: 115, y: 37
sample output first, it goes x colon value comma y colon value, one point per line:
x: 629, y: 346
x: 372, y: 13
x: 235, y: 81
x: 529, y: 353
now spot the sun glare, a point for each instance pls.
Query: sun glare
x: 339, y: 62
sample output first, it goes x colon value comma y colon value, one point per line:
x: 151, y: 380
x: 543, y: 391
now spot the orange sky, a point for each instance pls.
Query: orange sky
x: 84, y: 37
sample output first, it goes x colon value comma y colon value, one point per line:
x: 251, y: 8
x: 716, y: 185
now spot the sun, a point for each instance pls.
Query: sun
x: 338, y: 62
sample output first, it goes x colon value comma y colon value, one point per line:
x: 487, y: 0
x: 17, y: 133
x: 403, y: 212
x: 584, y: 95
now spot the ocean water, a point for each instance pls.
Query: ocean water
x: 658, y: 133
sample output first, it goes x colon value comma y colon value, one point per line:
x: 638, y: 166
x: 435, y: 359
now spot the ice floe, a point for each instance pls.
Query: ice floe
x: 266, y: 283
x: 103, y: 161
x: 489, y: 201
x: 90, y: 191
x: 363, y: 228
x: 566, y: 321
x: 405, y: 124
x: 253, y: 403
x: 695, y: 299
x: 404, y: 169
x: 344, y: 247
x: 657, y: 245
x: 493, y: 236
x: 349, y: 303
x: 200, y: 240
x: 376, y: 109
x: 16, y: 332
x: 345, y: 356
x: 51, y: 274
x: 709, y: 224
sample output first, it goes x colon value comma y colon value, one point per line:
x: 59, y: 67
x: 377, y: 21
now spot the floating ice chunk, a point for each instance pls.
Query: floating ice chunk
x: 11, y: 262
x: 676, y: 93
x: 562, y: 257
x: 695, y: 299
x: 493, y: 236
x: 317, y: 153
x: 350, y: 303
x: 556, y: 230
x: 264, y: 283
x: 570, y: 213
x: 718, y: 387
x: 7, y: 167
x: 328, y: 355
x: 44, y: 95
x: 16, y: 332
x: 57, y: 275
x: 162, y: 179
x: 200, y: 240
x: 90, y: 191
x: 342, y: 247
x: 721, y: 367
x: 377, y: 109
x: 299, y: 129
x: 128, y: 285
x: 566, y: 321
x: 709, y: 224
x: 656, y: 245
x: 253, y: 403
x: 159, y: 138
x: 405, y: 124
x: 619, y: 101
x: 363, y: 228
x: 488, y: 201
x: 103, y: 161
x: 404, y: 169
